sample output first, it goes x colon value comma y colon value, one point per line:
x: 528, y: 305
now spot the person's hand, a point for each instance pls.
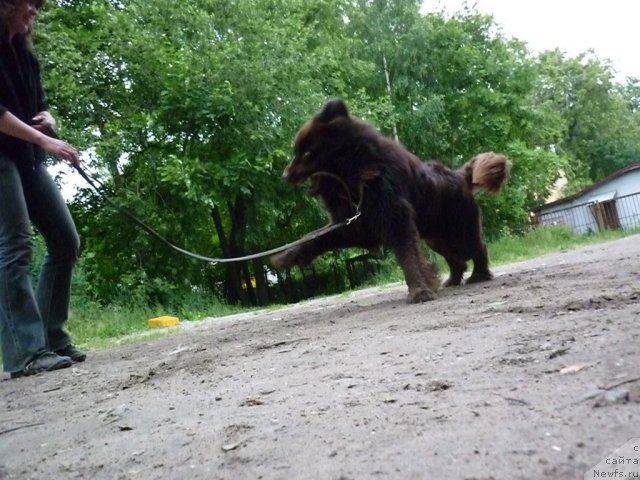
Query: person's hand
x: 60, y: 149
x: 45, y: 123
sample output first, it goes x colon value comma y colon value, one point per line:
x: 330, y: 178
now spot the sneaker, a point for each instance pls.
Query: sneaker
x: 46, y: 362
x: 73, y: 353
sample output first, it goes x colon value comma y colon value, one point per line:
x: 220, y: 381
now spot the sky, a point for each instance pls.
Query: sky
x: 608, y: 27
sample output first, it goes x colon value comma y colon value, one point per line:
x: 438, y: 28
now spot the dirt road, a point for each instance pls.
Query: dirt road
x: 531, y: 376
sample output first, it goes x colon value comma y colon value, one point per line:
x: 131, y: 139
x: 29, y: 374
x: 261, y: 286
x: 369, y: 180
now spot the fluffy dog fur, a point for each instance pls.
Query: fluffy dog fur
x: 403, y: 199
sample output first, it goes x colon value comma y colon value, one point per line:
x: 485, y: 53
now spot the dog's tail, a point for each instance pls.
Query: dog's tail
x: 487, y: 171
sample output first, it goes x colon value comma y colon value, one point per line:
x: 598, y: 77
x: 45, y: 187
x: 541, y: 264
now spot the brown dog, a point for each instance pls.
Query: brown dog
x: 402, y: 199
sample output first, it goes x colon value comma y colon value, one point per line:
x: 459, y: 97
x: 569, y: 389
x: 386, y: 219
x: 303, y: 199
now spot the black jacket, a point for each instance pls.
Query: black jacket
x: 20, y: 93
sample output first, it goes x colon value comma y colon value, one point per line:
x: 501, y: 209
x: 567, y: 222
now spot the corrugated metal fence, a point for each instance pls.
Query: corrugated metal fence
x: 621, y: 212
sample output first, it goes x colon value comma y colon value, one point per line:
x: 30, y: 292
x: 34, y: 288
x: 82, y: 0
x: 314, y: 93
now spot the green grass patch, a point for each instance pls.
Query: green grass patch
x: 510, y: 249
x: 92, y: 325
x: 543, y: 240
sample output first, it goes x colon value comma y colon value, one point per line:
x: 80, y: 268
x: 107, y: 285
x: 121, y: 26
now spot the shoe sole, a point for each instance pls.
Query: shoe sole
x: 27, y: 372
x: 79, y: 357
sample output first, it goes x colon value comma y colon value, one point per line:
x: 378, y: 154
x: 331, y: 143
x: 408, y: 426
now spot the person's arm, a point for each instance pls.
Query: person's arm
x: 45, y: 123
x: 14, y: 127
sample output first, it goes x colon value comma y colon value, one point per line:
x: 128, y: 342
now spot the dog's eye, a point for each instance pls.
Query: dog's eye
x: 306, y: 155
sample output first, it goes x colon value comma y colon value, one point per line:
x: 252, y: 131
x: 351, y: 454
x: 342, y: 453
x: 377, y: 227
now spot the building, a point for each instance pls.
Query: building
x: 611, y: 203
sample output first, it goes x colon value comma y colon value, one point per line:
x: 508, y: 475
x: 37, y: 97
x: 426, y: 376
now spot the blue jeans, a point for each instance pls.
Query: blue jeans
x: 32, y: 322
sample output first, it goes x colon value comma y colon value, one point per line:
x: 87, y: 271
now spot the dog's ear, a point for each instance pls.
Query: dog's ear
x: 332, y: 110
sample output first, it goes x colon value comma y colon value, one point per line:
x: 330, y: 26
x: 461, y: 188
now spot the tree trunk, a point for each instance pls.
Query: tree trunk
x: 388, y: 80
x: 262, y: 288
x: 238, y: 211
x: 232, y: 285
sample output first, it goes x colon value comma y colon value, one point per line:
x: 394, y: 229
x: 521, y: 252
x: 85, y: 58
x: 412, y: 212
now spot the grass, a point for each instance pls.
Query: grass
x: 92, y: 325
x: 510, y: 249
x: 543, y: 240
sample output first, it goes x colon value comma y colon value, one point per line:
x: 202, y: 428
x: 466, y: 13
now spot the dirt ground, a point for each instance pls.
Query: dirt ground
x: 534, y: 375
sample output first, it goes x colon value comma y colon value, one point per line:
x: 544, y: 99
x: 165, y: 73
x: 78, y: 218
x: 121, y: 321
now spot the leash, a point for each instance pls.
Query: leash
x: 213, y: 260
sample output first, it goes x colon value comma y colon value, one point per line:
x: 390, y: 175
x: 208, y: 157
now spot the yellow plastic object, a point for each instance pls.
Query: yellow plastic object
x: 164, y: 321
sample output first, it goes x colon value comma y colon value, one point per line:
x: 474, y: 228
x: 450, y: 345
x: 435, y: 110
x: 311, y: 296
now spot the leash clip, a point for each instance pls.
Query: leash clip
x: 355, y: 217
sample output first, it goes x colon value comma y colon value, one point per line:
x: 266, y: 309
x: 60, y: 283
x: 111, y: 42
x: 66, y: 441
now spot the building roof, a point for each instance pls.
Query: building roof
x: 593, y: 186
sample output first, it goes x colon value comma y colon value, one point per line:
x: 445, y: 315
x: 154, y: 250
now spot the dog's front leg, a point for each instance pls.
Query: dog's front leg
x: 419, y: 274
x: 314, y: 244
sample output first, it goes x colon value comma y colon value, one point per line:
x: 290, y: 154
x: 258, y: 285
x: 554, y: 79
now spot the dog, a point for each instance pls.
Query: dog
x: 401, y: 199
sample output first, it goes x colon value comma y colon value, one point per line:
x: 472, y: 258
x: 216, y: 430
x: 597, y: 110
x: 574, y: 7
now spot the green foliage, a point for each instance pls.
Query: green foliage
x: 533, y: 173
x: 93, y: 324
x: 457, y: 88
x: 186, y: 111
x: 542, y: 240
x: 596, y: 121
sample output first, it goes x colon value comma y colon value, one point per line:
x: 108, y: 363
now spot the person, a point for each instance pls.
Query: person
x: 33, y: 337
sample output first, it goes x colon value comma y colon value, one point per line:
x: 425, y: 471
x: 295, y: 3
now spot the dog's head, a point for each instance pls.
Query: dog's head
x: 331, y: 142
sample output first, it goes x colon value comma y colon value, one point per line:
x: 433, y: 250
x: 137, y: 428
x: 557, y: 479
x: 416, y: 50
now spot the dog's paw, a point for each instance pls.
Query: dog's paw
x: 452, y: 282
x: 419, y: 295
x: 433, y: 283
x: 479, y: 277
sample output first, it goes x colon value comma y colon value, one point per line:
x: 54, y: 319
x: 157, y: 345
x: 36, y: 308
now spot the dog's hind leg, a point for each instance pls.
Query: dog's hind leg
x: 457, y: 267
x: 456, y: 262
x: 420, y: 276
x: 481, y: 272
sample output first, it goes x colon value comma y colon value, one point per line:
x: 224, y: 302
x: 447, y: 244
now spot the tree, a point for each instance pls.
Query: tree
x: 185, y: 111
x: 190, y: 115
x: 456, y: 87
x: 599, y: 127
